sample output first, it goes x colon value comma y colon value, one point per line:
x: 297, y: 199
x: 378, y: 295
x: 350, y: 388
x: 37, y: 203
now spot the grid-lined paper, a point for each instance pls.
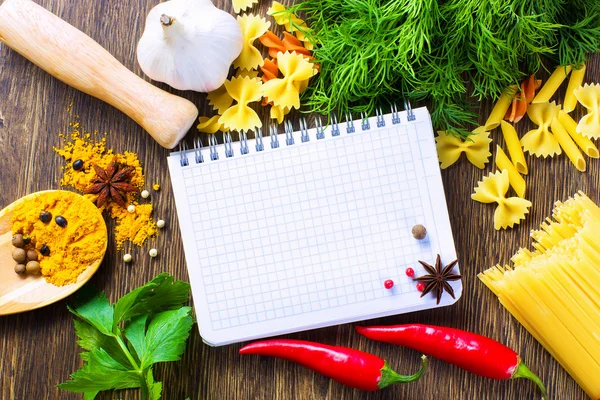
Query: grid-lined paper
x: 305, y: 235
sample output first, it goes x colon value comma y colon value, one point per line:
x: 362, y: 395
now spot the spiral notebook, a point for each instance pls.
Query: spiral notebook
x: 300, y: 230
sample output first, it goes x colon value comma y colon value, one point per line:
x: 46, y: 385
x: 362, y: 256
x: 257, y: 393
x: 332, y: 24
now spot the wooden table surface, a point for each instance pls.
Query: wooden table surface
x: 38, y: 349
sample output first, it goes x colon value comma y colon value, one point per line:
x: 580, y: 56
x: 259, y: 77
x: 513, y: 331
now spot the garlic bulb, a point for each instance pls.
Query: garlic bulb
x: 189, y: 44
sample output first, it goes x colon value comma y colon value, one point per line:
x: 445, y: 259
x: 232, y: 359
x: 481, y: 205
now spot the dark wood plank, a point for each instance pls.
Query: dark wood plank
x: 38, y: 348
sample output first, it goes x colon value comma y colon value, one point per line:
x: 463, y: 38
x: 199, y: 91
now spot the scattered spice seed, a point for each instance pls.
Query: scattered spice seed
x: 131, y: 209
x: 410, y: 272
x: 26, y: 240
x: 419, y: 232
x: 17, y: 240
x: 420, y: 286
x: 32, y: 255
x: 78, y: 164
x: 33, y: 267
x: 20, y: 269
x: 153, y: 252
x: 127, y: 258
x: 19, y: 255
x: 156, y: 187
x: 45, y: 250
x: 160, y: 223
x: 388, y: 284
x: 45, y: 216
x: 145, y: 194
x: 61, y: 221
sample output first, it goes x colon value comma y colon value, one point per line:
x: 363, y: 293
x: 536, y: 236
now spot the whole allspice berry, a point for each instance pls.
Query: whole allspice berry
x: 17, y: 240
x: 33, y: 267
x: 20, y: 269
x: 19, y: 255
x: 32, y: 255
x: 419, y: 232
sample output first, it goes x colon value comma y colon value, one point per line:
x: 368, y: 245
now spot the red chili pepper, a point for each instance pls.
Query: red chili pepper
x: 350, y: 367
x: 475, y: 353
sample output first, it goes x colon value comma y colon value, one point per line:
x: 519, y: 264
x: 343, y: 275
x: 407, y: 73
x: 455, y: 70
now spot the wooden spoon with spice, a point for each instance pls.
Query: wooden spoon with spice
x: 75, y: 236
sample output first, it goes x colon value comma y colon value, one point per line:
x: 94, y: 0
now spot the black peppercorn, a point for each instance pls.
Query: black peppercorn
x: 45, y: 217
x: 78, y: 164
x: 45, y: 250
x: 61, y: 221
x: 26, y: 240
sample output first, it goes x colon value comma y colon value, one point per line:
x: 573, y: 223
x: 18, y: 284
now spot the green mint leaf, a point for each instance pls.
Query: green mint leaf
x: 154, y: 388
x: 90, y: 395
x: 93, y: 308
x: 166, y: 336
x: 101, y: 372
x: 135, y: 332
x: 160, y: 294
x: 90, y: 338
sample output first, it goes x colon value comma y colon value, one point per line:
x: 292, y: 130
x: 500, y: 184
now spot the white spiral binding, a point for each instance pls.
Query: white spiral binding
x: 259, y: 144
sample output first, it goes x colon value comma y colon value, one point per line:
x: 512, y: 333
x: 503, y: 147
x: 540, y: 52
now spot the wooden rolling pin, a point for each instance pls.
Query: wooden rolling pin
x: 73, y: 57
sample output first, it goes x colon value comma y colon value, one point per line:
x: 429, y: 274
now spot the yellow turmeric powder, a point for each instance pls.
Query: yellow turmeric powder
x: 72, y: 248
x: 134, y: 227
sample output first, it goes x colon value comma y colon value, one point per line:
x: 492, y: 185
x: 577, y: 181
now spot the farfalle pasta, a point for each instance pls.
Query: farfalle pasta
x: 589, y: 97
x: 220, y: 100
x: 285, y: 92
x: 240, y: 117
x: 510, y: 210
x: 239, y: 5
x: 253, y: 27
x: 450, y: 148
x: 541, y: 141
x: 211, y: 125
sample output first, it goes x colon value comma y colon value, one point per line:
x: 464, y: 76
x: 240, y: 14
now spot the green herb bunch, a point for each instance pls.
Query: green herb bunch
x: 123, y: 341
x: 374, y: 52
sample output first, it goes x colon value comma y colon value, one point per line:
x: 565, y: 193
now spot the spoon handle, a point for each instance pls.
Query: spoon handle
x: 76, y: 59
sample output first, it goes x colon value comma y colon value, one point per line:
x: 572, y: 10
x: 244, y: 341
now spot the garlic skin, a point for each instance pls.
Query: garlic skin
x: 189, y: 44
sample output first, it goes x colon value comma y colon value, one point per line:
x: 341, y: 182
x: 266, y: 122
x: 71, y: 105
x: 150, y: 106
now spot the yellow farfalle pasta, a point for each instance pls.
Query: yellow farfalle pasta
x: 290, y: 22
x: 240, y: 117
x: 514, y: 178
x: 284, y: 92
x: 450, y: 147
x: 510, y: 210
x: 552, y: 85
x: 211, y: 125
x: 514, y: 147
x: 583, y: 142
x: 278, y: 113
x: 589, y: 97
x: 540, y: 141
x: 575, y: 81
x: 239, y: 5
x: 253, y: 27
x: 219, y: 99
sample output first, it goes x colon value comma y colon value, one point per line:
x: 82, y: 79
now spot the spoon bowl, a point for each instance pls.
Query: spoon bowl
x: 19, y: 293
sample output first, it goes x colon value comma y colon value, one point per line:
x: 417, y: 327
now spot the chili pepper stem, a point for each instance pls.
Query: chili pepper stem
x: 389, y: 376
x: 523, y: 372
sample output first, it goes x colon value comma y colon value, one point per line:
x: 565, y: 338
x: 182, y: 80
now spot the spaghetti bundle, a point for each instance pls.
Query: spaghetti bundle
x: 553, y: 290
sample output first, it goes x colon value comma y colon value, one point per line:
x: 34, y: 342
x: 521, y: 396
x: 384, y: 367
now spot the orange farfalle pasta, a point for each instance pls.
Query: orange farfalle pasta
x: 285, y: 92
x: 240, y: 117
x: 540, y: 141
x: 211, y: 125
x: 270, y: 70
x: 273, y: 43
x: 510, y: 210
x: 291, y: 43
x: 589, y: 97
x: 253, y: 27
x: 239, y: 5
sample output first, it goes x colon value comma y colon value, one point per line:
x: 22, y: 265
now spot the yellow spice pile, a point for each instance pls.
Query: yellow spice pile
x: 134, y: 227
x: 74, y: 247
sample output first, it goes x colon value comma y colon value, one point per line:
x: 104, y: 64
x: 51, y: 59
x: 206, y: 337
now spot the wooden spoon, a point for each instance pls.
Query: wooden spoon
x: 19, y: 293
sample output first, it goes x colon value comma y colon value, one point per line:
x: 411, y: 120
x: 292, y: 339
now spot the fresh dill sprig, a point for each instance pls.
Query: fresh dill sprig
x: 376, y: 52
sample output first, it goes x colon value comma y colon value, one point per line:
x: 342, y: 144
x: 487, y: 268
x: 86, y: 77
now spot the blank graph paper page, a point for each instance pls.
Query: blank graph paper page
x: 304, y: 235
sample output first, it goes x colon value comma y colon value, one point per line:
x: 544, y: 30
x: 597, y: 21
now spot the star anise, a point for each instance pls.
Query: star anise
x: 437, y: 278
x: 111, y: 184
